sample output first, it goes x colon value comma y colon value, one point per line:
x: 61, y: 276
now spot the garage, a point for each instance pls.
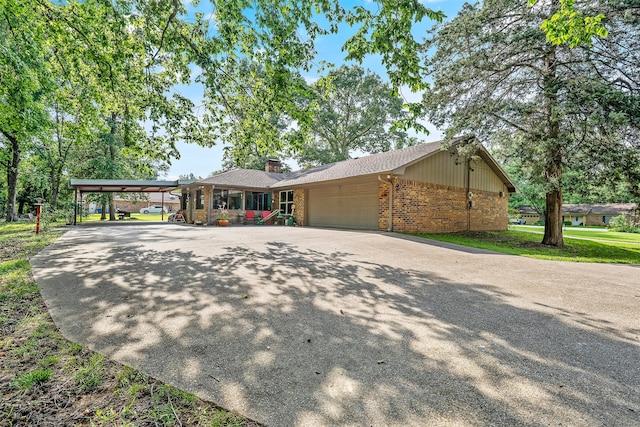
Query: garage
x: 344, y: 206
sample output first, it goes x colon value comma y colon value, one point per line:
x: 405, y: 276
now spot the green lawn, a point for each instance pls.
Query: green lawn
x: 595, y: 233
x: 135, y: 216
x: 581, y: 245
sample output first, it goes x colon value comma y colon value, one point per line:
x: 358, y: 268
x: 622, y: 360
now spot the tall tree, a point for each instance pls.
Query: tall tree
x: 24, y: 86
x: 355, y: 111
x: 83, y: 64
x: 554, y: 107
x: 261, y: 122
x: 121, y: 60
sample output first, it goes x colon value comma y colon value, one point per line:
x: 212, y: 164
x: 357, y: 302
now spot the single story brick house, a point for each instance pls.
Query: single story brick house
x: 133, y: 202
x: 586, y: 214
x: 530, y: 215
x: 423, y: 188
x: 597, y: 214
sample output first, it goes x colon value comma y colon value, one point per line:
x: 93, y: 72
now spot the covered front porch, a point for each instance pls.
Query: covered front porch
x: 205, y: 203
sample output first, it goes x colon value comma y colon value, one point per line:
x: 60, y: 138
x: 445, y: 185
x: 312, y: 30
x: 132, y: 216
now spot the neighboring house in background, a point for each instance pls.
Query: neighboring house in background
x: 529, y: 214
x: 597, y: 214
x: 133, y: 202
x: 586, y: 214
x: 422, y: 188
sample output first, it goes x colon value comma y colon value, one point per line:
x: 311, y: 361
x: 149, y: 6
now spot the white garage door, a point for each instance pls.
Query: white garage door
x: 345, y: 206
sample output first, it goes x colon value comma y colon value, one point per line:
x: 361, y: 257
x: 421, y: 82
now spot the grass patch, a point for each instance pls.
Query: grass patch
x: 132, y: 381
x: 89, y: 376
x: 135, y: 216
x: 29, y: 379
x: 222, y: 419
x: 97, y: 391
x: 528, y: 244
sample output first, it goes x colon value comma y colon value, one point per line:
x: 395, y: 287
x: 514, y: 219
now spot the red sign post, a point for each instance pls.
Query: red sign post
x: 38, y: 211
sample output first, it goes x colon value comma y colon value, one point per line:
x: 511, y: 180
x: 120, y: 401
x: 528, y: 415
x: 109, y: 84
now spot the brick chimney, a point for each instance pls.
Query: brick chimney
x: 273, y: 165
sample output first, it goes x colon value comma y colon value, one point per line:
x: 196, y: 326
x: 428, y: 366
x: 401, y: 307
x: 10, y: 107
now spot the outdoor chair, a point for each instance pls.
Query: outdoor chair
x: 177, y: 217
x: 250, y: 216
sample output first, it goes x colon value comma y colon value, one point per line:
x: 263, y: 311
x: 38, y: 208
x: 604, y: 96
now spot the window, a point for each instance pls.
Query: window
x: 286, y: 202
x: 227, y: 199
x: 258, y: 201
x: 234, y: 201
x: 220, y: 199
x: 199, y: 199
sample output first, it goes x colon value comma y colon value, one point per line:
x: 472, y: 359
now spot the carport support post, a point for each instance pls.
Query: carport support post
x: 75, y: 208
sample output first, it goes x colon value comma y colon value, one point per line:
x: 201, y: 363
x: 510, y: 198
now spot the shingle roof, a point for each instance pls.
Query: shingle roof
x: 526, y: 210
x: 599, y: 208
x: 247, y: 178
x: 380, y: 163
x: 373, y: 164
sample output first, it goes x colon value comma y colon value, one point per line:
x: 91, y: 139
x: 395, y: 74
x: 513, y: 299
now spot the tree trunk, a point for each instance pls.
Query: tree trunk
x: 55, y: 188
x: 553, y: 219
x: 553, y: 150
x: 112, y: 156
x: 12, y: 177
x: 103, y: 214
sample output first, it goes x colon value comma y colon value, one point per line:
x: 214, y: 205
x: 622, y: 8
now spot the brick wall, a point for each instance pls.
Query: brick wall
x: 490, y: 212
x: 299, y: 202
x: 198, y: 214
x: 432, y: 208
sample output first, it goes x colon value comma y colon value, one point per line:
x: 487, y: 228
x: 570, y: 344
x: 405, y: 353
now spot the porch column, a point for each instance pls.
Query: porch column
x: 209, y: 202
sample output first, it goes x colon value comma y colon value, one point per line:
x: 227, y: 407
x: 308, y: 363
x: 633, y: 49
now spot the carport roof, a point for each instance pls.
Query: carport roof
x: 125, y: 186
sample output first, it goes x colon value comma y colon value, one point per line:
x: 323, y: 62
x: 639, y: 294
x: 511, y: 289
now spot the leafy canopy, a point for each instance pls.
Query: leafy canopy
x: 571, y: 26
x: 354, y: 111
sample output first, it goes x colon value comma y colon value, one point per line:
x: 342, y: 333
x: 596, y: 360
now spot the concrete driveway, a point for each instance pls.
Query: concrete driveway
x: 312, y: 327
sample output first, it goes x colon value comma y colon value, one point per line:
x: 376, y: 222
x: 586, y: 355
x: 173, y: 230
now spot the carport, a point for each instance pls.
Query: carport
x: 82, y: 186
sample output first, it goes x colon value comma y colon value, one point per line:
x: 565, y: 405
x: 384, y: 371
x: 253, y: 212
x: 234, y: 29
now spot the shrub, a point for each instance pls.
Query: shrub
x: 622, y: 224
x: 566, y: 222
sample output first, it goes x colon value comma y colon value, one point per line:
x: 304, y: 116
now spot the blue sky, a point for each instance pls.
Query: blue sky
x: 202, y: 161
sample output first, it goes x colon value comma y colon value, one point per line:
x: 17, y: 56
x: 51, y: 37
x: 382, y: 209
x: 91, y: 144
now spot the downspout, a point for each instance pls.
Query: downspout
x: 390, y: 182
